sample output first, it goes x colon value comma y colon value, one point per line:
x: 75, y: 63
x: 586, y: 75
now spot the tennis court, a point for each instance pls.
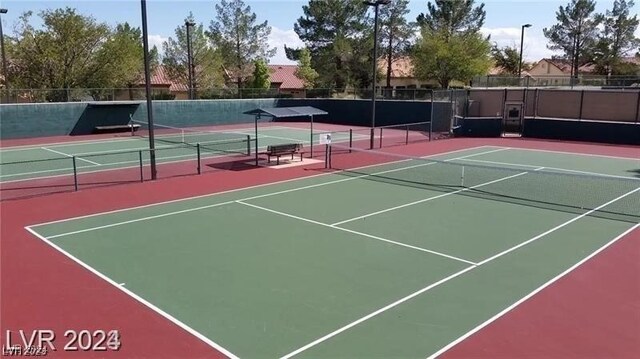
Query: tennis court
x: 401, y: 257
x: 43, y: 161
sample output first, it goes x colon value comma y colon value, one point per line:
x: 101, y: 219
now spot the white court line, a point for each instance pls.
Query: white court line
x: 239, y: 189
x: 227, y: 202
x: 558, y: 227
x: 429, y: 199
x: 375, y: 313
x: 218, y: 204
x: 65, y: 144
x: 577, y: 154
x: 381, y: 310
x: 136, y: 297
x: 106, y: 164
x: 160, y: 161
x: 554, y: 169
x: 116, y: 224
x: 70, y: 156
x: 534, y: 292
x: 355, y: 232
x: 101, y: 140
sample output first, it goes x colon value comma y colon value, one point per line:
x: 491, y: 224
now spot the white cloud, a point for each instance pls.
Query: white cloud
x: 535, y: 44
x: 156, y: 40
x: 278, y: 39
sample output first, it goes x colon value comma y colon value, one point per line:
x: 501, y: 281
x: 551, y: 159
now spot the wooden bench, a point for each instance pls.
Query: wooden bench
x: 284, y: 149
x: 117, y: 128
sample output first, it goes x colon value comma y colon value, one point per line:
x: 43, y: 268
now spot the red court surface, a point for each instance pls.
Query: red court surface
x: 593, y: 311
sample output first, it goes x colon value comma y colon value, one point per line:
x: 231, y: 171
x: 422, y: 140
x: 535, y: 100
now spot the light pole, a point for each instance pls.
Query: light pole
x: 147, y: 85
x: 375, y: 5
x: 188, y: 25
x: 4, y: 58
x: 521, y: 46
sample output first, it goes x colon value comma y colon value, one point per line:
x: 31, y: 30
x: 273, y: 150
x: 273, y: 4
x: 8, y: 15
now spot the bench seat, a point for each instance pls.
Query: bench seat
x: 283, y: 149
x: 116, y: 128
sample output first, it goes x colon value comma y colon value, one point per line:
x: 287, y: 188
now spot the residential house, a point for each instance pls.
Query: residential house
x: 162, y: 87
x: 284, y: 79
x: 549, y: 72
x: 403, y: 82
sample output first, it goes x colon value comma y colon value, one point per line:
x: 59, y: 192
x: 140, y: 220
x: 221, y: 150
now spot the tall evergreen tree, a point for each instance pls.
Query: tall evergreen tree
x: 451, y: 46
x: 617, y: 38
x: 395, y: 33
x: 241, y: 40
x: 453, y: 16
x: 207, y: 61
x: 575, y: 33
x: 331, y: 30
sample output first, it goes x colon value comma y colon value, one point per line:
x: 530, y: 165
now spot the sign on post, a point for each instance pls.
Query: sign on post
x: 325, y: 138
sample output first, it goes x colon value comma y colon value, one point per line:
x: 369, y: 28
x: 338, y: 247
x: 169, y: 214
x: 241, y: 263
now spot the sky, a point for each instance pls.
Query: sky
x: 503, y: 22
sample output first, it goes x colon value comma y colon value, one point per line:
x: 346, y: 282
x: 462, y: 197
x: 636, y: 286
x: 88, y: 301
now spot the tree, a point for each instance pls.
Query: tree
x: 239, y: 38
x: 74, y: 51
x: 124, y: 52
x: 206, y: 61
x: 395, y: 33
x: 451, y: 46
x: 507, y: 59
x: 575, y: 33
x: 260, y: 79
x: 331, y: 30
x: 453, y: 16
x: 304, y: 71
x: 444, y: 57
x: 617, y: 39
x: 62, y: 54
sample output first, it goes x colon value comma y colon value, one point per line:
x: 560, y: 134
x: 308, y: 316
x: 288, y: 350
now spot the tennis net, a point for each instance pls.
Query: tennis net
x: 213, y: 141
x: 604, y: 196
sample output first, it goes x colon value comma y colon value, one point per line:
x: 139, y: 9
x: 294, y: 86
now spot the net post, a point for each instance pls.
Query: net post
x: 248, y: 145
x: 256, y: 136
x: 330, y: 156
x: 380, y: 137
x: 141, y: 166
x: 311, y: 138
x: 198, y: 155
x: 131, y: 125
x: 350, y: 139
x: 75, y: 173
x: 406, y: 135
x: 326, y: 156
x: 433, y: 108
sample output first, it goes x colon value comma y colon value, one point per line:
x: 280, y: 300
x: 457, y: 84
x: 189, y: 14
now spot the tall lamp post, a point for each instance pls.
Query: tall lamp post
x: 147, y: 83
x: 4, y: 58
x: 375, y: 5
x: 521, y: 47
x: 188, y: 25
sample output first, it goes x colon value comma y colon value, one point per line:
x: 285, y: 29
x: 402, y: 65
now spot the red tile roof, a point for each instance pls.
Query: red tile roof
x: 565, y: 66
x: 284, y: 77
x: 160, y: 78
x: 400, y: 67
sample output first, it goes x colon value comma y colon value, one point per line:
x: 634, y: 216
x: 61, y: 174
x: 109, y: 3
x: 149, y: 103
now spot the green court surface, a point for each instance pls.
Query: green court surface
x: 392, y: 260
x: 52, y: 160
